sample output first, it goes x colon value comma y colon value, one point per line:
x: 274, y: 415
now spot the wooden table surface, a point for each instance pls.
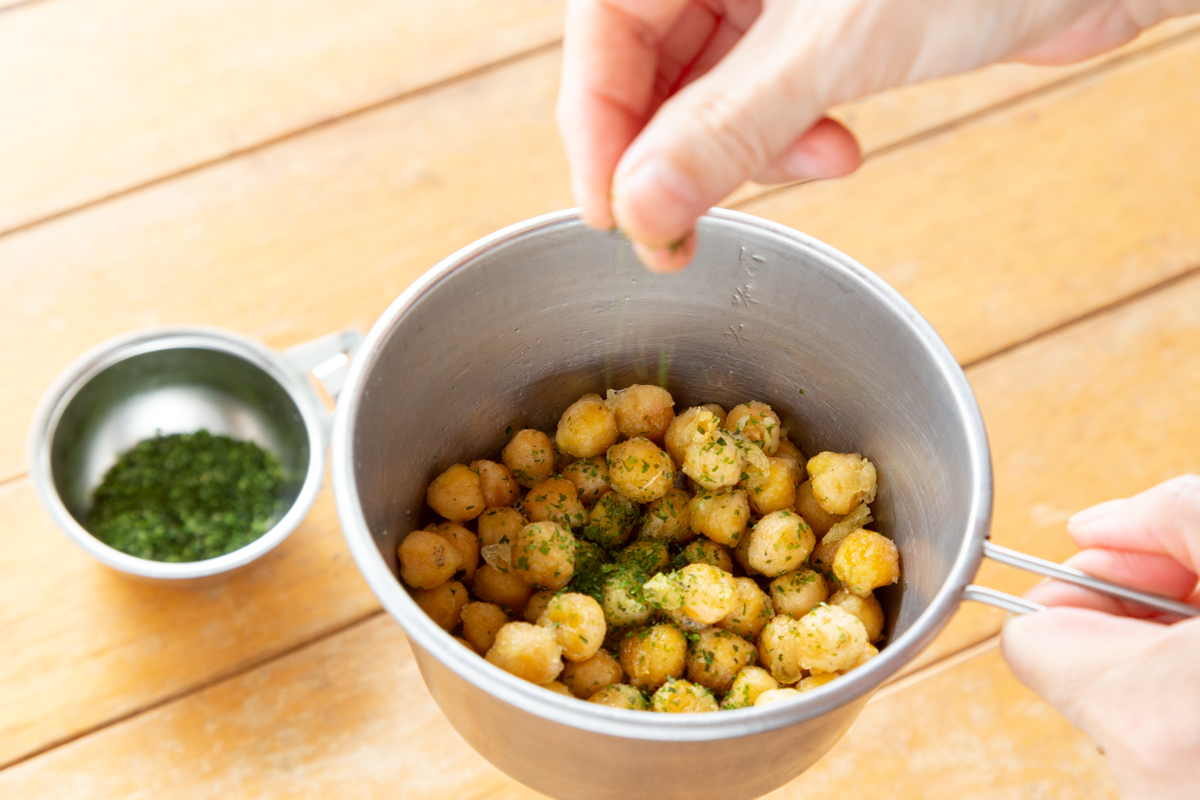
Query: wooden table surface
x: 284, y: 168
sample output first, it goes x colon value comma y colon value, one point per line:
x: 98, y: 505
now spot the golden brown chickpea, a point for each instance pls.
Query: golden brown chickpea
x: 667, y: 519
x: 639, y: 470
x: 443, y: 604
x: 558, y: 687
x: 822, y: 558
x: 840, y: 481
x: 779, y: 543
x: 557, y: 501
x: 716, y: 657
x: 751, y: 612
x: 465, y: 542
x: 587, y: 428
x: 815, y: 681
x: 544, y: 555
x: 709, y: 593
x: 652, y: 655
x: 749, y: 684
x: 612, y: 520
x: 529, y: 455
x: 463, y: 642
x: 650, y: 557
x: 865, y: 561
x: 682, y: 697
x: 590, y: 476
x: 798, y: 592
x: 831, y: 639
x: 773, y: 696
x: 807, y: 506
x: 623, y: 601
x: 706, y: 551
x: 621, y: 695
x: 869, y: 652
x: 500, y: 526
x: 718, y: 411
x: 779, y: 649
x: 867, y: 609
x: 758, y: 422
x: 506, y: 589
x: 694, y: 425
x: 789, y: 451
x: 720, y: 515
x: 537, y: 604
x: 427, y: 560
x: 741, y: 555
x: 480, y: 623
x: 497, y: 484
x: 643, y: 410
x: 585, y: 678
x: 527, y: 651
x: 578, y: 623
x: 456, y: 494
x: 714, y: 463
x: 775, y: 491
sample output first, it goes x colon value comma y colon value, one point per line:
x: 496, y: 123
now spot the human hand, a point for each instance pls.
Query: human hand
x: 1110, y: 667
x: 666, y: 106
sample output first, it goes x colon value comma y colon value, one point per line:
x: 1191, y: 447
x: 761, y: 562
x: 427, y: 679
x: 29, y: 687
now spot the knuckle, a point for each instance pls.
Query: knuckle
x: 1183, y: 494
x: 742, y: 139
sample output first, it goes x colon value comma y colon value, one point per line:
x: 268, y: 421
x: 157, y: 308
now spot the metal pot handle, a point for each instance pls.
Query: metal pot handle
x: 327, y: 358
x: 1017, y: 605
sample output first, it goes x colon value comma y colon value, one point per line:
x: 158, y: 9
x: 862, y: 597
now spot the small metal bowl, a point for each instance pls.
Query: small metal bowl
x: 165, y: 381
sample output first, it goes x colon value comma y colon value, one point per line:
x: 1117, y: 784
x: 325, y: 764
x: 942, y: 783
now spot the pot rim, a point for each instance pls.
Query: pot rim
x: 153, y: 339
x: 632, y: 724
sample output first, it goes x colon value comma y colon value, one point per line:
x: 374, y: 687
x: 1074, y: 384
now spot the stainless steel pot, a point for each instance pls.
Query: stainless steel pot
x: 512, y: 329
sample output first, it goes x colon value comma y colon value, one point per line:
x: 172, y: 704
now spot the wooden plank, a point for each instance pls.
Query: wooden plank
x: 83, y: 646
x: 98, y: 96
x: 352, y: 711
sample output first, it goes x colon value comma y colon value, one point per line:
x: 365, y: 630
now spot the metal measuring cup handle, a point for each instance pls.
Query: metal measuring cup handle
x: 1041, y: 566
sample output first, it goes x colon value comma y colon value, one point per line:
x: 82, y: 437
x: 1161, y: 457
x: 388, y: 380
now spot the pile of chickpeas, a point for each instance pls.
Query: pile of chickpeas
x: 646, y: 560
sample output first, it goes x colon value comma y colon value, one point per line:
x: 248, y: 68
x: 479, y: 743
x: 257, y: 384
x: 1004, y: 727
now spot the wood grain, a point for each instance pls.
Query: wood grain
x: 98, y: 96
x: 351, y: 711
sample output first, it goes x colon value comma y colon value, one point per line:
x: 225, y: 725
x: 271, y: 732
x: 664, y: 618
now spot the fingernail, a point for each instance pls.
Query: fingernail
x: 655, y: 197
x: 668, y: 258
x: 1097, y: 512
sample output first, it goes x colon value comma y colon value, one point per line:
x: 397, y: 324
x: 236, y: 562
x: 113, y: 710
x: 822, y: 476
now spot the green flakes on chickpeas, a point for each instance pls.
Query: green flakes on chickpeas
x: 750, y: 582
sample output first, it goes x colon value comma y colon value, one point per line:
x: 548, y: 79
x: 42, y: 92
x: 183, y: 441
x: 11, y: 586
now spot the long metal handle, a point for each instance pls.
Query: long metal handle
x: 1068, y: 575
x: 327, y: 358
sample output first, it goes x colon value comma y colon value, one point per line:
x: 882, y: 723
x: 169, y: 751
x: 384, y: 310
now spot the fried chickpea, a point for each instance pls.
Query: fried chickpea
x: 772, y: 696
x: 718, y: 411
x: 831, y: 639
x: 639, y: 470
x: 623, y: 601
x: 500, y: 526
x: 527, y: 651
x: 789, y: 451
x: 749, y: 684
x: 443, y: 604
x: 716, y: 657
x: 807, y: 506
x: 779, y: 648
x: 840, y: 481
x: 650, y: 557
x: 465, y: 542
x: 867, y: 609
x: 544, y: 555
x: 590, y: 476
x: 720, y: 515
x: 682, y: 697
x: 709, y: 593
x: 480, y: 623
x: 823, y: 555
x: 652, y: 655
x: 798, y: 592
x: 577, y: 622
x: 456, y: 494
x: 869, y: 652
x: 815, y: 681
x: 506, y: 589
x: 779, y: 543
x: 587, y: 428
x: 751, y: 612
x: 529, y: 455
x: 585, y: 678
x: 496, y: 482
x: 694, y: 425
x: 555, y: 500
x: 643, y: 410
x: 537, y: 604
x: 777, y: 490
x: 667, y: 519
x: 865, y: 561
x: 558, y: 687
x: 706, y: 551
x: 427, y: 560
x: 758, y: 422
x: 621, y: 695
x: 714, y: 463
x: 611, y: 520
x: 741, y: 555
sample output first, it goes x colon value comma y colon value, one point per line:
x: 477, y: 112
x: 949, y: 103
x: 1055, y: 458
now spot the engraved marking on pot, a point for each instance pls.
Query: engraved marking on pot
x: 735, y: 332
x: 749, y: 262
